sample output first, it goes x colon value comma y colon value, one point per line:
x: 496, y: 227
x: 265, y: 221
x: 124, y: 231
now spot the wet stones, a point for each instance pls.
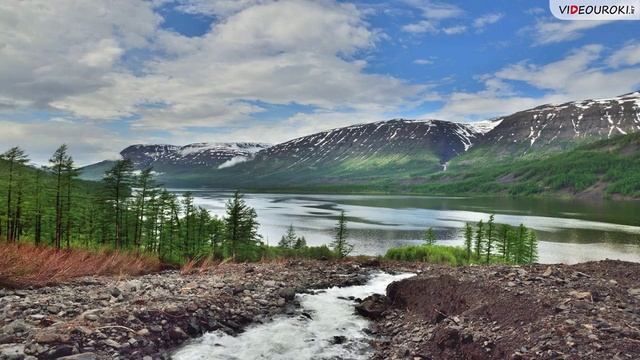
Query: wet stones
x: 373, y: 306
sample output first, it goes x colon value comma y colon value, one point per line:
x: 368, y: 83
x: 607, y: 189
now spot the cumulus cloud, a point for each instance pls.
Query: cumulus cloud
x: 576, y: 76
x: 550, y: 31
x: 627, y: 56
x: 487, y: 19
x: 70, y: 58
x: 433, y: 13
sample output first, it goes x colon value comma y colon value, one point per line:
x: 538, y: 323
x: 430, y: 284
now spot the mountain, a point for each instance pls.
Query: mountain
x: 556, y: 127
x: 211, y: 155
x: 506, y: 154
x: 604, y: 168
x: 360, y: 153
x: 168, y: 160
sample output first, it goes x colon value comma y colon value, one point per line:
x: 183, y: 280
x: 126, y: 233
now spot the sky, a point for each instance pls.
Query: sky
x: 100, y: 75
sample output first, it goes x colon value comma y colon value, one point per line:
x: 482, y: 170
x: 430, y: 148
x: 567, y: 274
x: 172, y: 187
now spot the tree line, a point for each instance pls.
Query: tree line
x: 490, y: 242
x: 129, y: 210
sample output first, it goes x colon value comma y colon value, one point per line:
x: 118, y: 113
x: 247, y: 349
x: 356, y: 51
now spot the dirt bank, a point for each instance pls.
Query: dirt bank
x: 585, y: 311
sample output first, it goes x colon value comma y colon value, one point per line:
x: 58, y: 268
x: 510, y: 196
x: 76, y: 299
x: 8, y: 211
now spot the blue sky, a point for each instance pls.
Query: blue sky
x: 101, y: 75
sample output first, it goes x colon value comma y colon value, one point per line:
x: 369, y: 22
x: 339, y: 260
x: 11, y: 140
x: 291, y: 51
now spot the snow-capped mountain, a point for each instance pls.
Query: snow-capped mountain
x: 559, y: 126
x: 358, y: 142
x: 210, y: 155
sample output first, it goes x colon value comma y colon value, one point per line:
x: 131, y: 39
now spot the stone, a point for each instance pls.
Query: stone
x: 60, y: 351
x: 338, y: 339
x: 177, y: 333
x: 373, y: 306
x: 49, y: 337
x: 634, y: 292
x: 287, y: 293
x: 547, y: 272
x: 143, y: 332
x: 82, y: 356
x: 112, y: 343
x: 581, y: 295
x: 12, y: 351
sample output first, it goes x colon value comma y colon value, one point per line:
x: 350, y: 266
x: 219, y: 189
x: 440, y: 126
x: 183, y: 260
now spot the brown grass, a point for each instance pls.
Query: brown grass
x: 25, y: 265
x: 198, y: 266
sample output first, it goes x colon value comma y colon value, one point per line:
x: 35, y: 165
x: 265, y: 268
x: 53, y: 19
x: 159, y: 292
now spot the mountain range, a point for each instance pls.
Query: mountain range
x: 399, y: 155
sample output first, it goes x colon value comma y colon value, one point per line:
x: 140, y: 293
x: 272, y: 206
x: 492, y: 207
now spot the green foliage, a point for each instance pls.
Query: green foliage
x: 436, y: 254
x: 430, y: 237
x: 312, y: 252
x: 241, y: 239
x: 340, y: 245
x: 486, y: 243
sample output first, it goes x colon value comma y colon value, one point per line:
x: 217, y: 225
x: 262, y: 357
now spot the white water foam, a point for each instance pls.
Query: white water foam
x: 298, y: 337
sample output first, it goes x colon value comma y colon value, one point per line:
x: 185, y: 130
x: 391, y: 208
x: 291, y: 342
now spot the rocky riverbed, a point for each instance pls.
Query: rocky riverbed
x: 584, y: 311
x: 145, y: 317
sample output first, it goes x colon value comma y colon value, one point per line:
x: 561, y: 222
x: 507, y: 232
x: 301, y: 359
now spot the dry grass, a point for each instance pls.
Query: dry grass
x: 198, y: 266
x: 27, y: 265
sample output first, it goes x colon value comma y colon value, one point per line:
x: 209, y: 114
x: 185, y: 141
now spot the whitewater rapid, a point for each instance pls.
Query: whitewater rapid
x: 299, y: 337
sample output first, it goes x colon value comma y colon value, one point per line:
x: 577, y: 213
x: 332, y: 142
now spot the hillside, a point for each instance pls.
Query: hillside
x: 545, y: 149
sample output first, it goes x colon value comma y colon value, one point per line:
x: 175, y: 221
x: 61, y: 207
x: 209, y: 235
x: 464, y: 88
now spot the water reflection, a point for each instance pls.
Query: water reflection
x: 569, y: 231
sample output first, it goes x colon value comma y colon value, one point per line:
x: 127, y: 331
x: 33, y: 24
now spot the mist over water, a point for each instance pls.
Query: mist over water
x: 569, y: 231
x: 298, y: 337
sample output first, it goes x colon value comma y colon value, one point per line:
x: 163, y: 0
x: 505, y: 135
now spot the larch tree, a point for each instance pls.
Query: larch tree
x: 430, y: 237
x: 340, y: 244
x: 468, y: 240
x: 117, y: 181
x: 58, y: 164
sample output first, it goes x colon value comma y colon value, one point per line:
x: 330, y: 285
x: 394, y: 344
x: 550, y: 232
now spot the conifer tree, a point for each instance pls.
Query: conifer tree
x: 241, y: 235
x: 117, y: 182
x: 340, y: 245
x: 491, y: 234
x: 58, y: 163
x: 503, y: 241
x: 430, y: 237
x: 479, y: 240
x: 531, y: 247
x: 15, y: 157
x: 468, y: 239
x: 288, y: 240
x: 300, y: 243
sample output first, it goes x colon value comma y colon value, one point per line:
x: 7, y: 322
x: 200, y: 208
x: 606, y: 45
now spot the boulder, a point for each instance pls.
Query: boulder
x: 373, y: 306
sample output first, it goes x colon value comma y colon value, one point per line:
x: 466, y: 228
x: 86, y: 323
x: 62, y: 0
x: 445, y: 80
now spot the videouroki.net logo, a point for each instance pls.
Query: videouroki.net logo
x: 595, y: 9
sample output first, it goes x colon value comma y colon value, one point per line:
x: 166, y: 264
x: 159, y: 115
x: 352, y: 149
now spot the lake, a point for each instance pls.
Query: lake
x: 569, y: 231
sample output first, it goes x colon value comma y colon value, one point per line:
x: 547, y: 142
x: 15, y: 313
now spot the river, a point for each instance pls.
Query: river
x: 569, y: 231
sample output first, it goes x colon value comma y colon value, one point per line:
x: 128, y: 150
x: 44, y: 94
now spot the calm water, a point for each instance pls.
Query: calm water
x: 569, y: 231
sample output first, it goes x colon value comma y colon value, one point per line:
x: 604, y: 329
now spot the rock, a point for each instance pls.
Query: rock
x: 143, y: 332
x: 177, y: 333
x: 373, y: 306
x: 339, y: 339
x: 114, y: 291
x: 83, y: 356
x: 50, y: 337
x: 634, y: 292
x: 269, y: 283
x: 511, y: 284
x: 17, y: 326
x: 581, y: 295
x: 112, y: 343
x: 547, y: 272
x: 12, y: 351
x: 287, y: 293
x: 92, y: 317
x: 60, y: 351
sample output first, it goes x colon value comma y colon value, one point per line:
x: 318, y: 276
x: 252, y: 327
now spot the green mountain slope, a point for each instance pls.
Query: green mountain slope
x: 603, y: 168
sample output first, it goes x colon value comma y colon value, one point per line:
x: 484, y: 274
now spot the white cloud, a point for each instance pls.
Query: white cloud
x: 87, y: 142
x: 433, y: 13
x: 576, y: 76
x: 452, y: 30
x: 487, y: 19
x: 556, y: 31
x: 626, y: 56
x: 423, y: 61
x: 69, y: 57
